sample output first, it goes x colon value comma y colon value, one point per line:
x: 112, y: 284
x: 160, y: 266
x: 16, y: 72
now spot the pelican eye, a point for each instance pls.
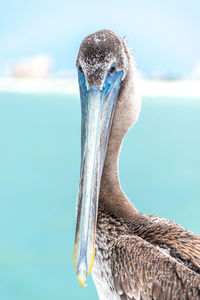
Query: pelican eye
x: 112, y: 69
x: 80, y: 69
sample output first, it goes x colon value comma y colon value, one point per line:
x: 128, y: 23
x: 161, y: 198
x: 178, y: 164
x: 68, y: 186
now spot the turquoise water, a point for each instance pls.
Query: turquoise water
x: 39, y: 169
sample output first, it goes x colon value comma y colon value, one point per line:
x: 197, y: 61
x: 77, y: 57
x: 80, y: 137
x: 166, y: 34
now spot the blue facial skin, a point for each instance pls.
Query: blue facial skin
x: 98, y: 108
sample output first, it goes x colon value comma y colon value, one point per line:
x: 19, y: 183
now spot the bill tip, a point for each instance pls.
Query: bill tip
x: 82, y: 278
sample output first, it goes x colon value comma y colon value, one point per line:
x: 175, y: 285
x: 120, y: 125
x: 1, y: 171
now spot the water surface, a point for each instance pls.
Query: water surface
x: 39, y: 170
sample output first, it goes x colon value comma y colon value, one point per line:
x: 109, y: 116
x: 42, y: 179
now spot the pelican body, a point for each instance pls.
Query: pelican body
x: 131, y: 255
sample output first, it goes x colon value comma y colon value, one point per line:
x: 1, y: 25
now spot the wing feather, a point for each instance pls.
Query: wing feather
x: 142, y: 272
x: 182, y: 244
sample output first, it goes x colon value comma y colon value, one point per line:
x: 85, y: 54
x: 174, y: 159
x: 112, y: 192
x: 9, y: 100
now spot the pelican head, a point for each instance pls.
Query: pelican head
x: 104, y: 69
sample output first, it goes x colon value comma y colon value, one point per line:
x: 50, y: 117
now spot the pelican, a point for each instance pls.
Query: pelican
x: 131, y: 255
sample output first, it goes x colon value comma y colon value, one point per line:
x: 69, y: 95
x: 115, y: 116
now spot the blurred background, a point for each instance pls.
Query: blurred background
x: 40, y: 130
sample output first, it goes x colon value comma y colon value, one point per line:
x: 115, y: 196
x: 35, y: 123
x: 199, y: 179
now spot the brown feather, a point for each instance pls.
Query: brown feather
x: 140, y: 268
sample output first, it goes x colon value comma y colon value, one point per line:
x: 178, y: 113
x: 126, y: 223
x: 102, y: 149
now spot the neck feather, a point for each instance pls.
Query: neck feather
x: 112, y: 199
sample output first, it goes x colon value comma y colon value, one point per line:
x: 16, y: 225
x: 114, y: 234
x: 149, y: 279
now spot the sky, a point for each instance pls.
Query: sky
x: 165, y: 35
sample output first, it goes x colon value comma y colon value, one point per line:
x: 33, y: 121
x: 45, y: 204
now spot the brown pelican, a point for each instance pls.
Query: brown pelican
x: 135, y: 256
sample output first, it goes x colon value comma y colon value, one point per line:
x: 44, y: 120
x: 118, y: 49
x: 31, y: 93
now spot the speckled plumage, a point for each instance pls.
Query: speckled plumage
x: 138, y: 257
x: 146, y: 258
x: 96, y: 54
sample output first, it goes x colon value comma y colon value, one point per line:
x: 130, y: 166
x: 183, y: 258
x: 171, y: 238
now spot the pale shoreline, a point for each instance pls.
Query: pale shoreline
x: 156, y: 88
